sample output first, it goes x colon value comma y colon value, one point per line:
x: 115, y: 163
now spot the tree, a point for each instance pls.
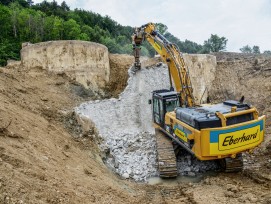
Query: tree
x: 267, y: 52
x: 24, y: 25
x: 30, y: 2
x: 83, y: 36
x: 8, y: 50
x: 246, y: 49
x: 71, y: 30
x: 256, y: 49
x: 89, y: 31
x: 23, y: 3
x: 5, y: 19
x: 189, y: 46
x: 145, y: 52
x: 186, y: 46
x: 20, y: 21
x: 5, y: 2
x: 15, y: 7
x: 214, y: 44
x: 64, y: 6
x: 122, y: 40
x: 58, y: 29
x: 111, y: 44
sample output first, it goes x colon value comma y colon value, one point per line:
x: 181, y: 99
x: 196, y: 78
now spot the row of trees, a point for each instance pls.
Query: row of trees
x: 24, y: 21
x: 21, y: 21
x: 254, y: 49
x: 213, y: 44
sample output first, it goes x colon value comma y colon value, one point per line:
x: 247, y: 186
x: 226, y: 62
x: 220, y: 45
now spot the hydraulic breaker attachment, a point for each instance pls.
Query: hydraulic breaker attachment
x: 137, y: 39
x: 137, y: 64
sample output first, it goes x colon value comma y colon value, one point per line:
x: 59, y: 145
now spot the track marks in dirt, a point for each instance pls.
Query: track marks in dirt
x: 258, y: 177
x: 178, y: 193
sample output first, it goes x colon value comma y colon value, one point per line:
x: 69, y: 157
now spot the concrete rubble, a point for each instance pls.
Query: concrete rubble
x: 125, y: 126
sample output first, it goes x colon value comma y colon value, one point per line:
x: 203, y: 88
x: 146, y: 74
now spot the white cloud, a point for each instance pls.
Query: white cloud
x: 241, y: 21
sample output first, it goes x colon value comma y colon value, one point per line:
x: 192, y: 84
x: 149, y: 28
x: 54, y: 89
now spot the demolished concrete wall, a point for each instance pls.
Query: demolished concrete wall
x: 85, y: 62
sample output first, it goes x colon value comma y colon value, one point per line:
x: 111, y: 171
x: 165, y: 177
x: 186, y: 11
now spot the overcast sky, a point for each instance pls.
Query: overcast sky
x: 242, y: 22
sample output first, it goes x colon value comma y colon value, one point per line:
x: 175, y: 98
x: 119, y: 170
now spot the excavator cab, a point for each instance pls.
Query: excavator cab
x: 163, y: 101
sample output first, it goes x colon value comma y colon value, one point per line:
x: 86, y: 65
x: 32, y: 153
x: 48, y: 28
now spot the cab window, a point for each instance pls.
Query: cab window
x: 171, y: 104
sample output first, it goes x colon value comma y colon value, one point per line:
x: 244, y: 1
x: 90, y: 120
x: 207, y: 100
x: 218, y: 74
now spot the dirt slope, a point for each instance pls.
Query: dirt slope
x: 40, y: 160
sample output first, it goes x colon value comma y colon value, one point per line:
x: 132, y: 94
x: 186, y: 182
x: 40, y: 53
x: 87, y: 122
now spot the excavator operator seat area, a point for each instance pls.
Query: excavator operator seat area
x: 163, y: 101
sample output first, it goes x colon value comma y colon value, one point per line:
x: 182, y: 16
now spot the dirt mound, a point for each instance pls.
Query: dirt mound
x: 84, y: 62
x: 249, y: 76
x: 44, y: 157
x: 202, y: 69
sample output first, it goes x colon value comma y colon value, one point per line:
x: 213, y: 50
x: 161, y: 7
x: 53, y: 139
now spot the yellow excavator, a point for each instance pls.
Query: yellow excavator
x: 221, y: 131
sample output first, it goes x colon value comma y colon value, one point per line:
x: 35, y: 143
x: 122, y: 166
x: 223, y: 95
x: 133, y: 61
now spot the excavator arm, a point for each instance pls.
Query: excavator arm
x: 171, y: 55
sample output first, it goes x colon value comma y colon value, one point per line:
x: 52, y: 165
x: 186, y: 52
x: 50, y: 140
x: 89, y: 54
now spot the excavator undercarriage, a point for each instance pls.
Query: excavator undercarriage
x: 166, y: 158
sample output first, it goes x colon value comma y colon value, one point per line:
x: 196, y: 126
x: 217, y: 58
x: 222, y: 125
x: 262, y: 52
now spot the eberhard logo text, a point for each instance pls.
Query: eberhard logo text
x: 229, y: 139
x: 239, y: 138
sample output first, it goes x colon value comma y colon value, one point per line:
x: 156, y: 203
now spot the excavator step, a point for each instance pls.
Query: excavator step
x: 166, y: 156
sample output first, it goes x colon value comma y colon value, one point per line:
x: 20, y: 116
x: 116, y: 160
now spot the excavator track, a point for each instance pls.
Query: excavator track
x: 232, y: 165
x: 166, y: 156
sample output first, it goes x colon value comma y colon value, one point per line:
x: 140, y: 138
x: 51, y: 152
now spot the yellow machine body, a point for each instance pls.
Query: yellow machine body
x: 217, y: 143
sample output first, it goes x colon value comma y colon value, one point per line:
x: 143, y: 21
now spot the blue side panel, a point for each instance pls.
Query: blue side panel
x: 215, y: 133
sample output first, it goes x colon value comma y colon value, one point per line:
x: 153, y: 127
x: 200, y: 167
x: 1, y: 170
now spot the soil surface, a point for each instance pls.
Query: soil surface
x: 45, y: 156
